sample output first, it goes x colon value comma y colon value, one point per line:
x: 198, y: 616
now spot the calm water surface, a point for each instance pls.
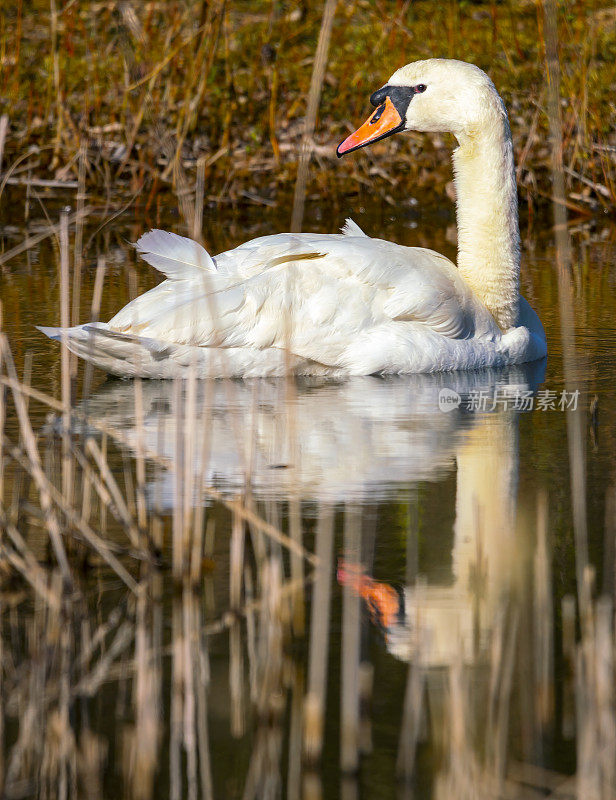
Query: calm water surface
x: 425, y: 521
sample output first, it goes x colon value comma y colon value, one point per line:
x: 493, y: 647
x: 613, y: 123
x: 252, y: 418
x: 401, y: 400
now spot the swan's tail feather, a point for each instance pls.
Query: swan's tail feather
x: 120, y: 354
x: 129, y: 356
x: 52, y: 333
x: 175, y: 256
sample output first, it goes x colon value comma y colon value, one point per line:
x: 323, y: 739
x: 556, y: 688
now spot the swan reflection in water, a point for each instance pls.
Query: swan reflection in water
x: 359, y: 441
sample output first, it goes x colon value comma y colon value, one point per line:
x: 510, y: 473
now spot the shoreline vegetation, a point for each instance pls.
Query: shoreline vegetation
x: 134, y: 102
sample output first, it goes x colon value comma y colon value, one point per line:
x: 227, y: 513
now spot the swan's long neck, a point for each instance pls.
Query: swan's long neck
x: 487, y: 211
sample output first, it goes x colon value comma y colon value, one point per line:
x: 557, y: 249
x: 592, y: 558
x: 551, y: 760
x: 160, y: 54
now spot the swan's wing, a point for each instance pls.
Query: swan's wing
x: 313, y: 293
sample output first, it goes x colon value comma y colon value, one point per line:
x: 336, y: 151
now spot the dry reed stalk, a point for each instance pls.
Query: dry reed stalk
x: 195, y: 566
x: 191, y: 628
x: 236, y: 558
x: 197, y: 232
x: 258, y: 541
x: 51, y: 519
x: 271, y: 116
x: 78, y: 244
x: 568, y: 647
x: 142, y: 519
x: 157, y: 527
x: 413, y: 710
x: 502, y: 661
x: 56, y: 84
x: 190, y: 450
x: 263, y: 779
x: 251, y: 634
x: 412, y: 716
x: 236, y: 681
x: 498, y: 744
x: 314, y: 96
x: 366, y: 685
x: 295, y: 518
x: 297, y: 564
x: 4, y: 126
x: 575, y: 419
x: 178, y: 478
x: 412, y: 544
x: 604, y: 690
x: 273, y: 517
x: 595, y: 707
x: 77, y: 249
x: 176, y: 713
x: 314, y: 704
x: 236, y: 671
x: 544, y: 619
x: 200, y: 546
x: 67, y: 471
x: 95, y: 308
x: 97, y: 294
x: 349, y: 673
x: 21, y: 480
x: 130, y: 490
x: 201, y: 680
x: 28, y: 197
x: 294, y: 774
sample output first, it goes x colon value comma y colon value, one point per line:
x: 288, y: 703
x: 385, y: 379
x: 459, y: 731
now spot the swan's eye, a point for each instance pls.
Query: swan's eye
x: 421, y: 87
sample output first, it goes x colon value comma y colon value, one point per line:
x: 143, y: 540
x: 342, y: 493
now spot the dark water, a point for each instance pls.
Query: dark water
x: 427, y: 522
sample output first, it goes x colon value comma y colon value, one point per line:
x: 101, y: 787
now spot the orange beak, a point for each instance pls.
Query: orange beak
x: 383, y: 122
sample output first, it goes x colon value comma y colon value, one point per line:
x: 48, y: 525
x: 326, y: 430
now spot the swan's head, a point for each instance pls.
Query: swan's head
x: 437, y: 95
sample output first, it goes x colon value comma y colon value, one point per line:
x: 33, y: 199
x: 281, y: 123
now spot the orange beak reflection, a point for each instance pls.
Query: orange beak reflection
x: 383, y: 122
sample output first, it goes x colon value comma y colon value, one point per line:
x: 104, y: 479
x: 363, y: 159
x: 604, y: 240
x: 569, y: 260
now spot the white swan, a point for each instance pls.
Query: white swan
x: 347, y: 304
